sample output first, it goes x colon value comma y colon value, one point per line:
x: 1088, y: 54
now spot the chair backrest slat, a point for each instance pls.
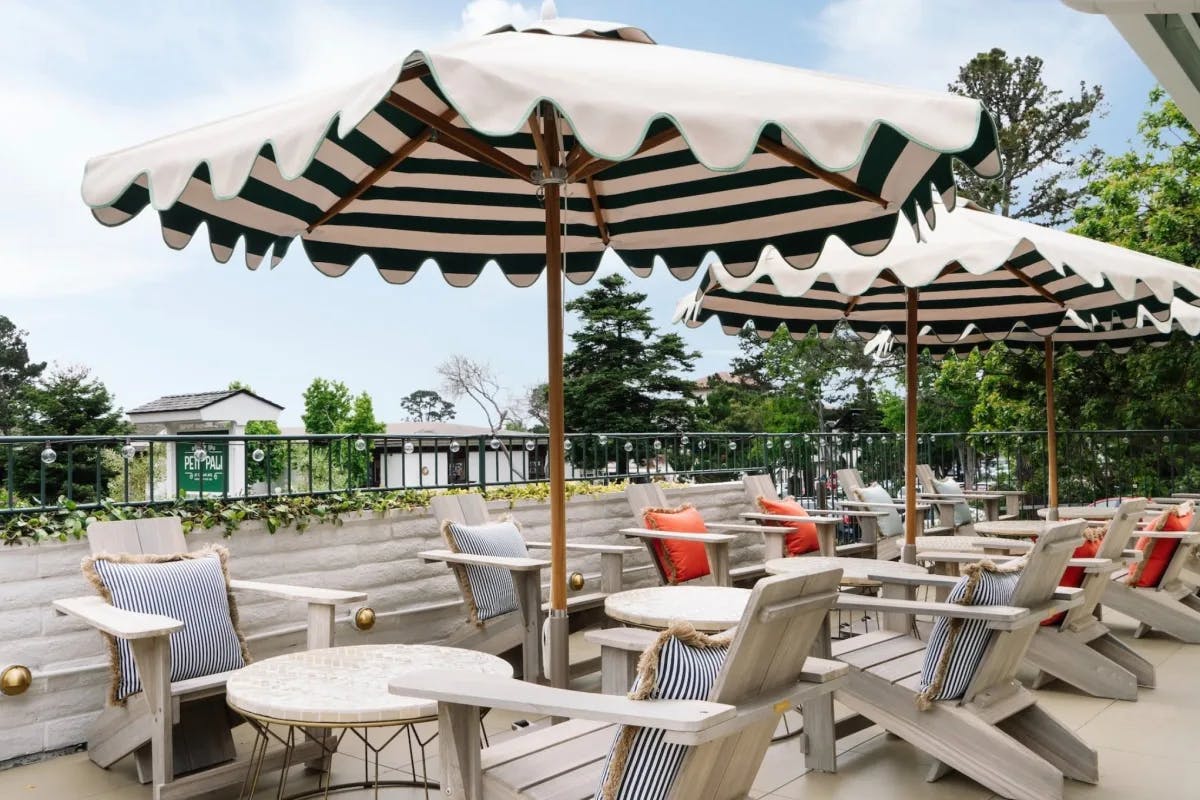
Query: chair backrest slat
x: 1122, y: 526
x: 149, y: 536
x: 926, y: 477
x: 469, y: 509
x: 642, y: 496
x: 763, y: 657
x: 848, y: 480
x: 1182, y: 553
x: 1044, y: 567
x: 757, y: 486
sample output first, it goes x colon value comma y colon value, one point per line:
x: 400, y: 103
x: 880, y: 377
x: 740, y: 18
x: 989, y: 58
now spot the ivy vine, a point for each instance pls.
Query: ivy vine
x: 68, y: 521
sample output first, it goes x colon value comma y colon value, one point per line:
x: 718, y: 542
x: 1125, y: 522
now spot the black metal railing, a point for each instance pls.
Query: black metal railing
x: 35, y: 472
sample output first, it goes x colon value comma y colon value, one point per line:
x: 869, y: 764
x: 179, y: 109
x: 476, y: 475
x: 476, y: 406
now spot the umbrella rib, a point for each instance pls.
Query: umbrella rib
x: 405, y: 150
x: 1028, y: 281
x: 596, y: 210
x: 539, y: 143
x: 464, y: 141
x: 589, y: 165
x: 786, y: 154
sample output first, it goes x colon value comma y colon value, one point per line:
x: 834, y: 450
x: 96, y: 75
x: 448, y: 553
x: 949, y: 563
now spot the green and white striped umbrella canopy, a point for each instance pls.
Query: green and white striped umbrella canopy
x: 669, y: 153
x: 981, y: 278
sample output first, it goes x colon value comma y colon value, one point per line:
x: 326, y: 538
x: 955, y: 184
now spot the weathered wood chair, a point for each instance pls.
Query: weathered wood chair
x: 757, y: 486
x: 990, y: 500
x: 180, y: 732
x: 767, y: 670
x: 1078, y: 648
x: 887, y: 545
x: 1172, y: 605
x: 996, y: 734
x: 523, y: 629
x: 642, y: 496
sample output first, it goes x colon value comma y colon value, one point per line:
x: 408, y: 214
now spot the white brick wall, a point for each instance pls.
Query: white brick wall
x: 418, y: 602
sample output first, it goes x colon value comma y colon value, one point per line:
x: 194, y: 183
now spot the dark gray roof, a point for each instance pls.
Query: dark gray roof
x: 194, y: 401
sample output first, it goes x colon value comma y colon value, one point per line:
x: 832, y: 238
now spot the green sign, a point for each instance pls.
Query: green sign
x: 202, y: 466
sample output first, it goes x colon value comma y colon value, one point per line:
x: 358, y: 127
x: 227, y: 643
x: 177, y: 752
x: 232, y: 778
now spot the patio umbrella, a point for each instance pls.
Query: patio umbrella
x: 977, y: 279
x: 550, y: 146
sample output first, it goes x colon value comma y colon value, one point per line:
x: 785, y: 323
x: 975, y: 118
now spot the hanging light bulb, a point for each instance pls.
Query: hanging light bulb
x: 628, y: 447
x: 360, y: 444
x: 683, y: 440
x: 455, y: 446
x: 787, y: 444
x: 530, y: 444
x: 128, y: 451
x: 658, y: 444
x: 199, y: 451
x: 494, y: 443
x: 567, y: 445
x: 702, y: 444
x: 258, y: 455
x: 733, y: 445
x: 408, y: 448
x: 49, y: 456
x: 602, y: 439
x: 770, y: 443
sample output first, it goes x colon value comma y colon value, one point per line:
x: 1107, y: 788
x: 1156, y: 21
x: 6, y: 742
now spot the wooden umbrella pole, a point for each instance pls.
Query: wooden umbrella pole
x: 909, y: 552
x: 1051, y: 435
x: 559, y: 655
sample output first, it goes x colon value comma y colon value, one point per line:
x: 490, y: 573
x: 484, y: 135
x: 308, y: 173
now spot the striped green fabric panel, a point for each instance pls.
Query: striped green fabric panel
x: 441, y: 207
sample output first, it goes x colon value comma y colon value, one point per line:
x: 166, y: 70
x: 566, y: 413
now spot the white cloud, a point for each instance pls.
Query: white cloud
x: 922, y: 43
x: 481, y: 16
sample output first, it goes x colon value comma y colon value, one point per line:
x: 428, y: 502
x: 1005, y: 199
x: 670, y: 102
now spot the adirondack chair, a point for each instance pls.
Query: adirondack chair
x: 887, y: 547
x: 1079, y: 649
x: 642, y: 496
x: 524, y: 629
x: 767, y: 669
x: 1172, y: 606
x: 757, y: 486
x: 996, y: 734
x: 990, y: 500
x: 181, y: 727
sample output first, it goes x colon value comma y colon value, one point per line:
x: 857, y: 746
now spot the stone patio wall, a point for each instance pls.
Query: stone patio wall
x: 416, y: 602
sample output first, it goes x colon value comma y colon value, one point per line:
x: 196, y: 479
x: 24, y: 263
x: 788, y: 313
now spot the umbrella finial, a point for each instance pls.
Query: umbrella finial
x: 549, y: 10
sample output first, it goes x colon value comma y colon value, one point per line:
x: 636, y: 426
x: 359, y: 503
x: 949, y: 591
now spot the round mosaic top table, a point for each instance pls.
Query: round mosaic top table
x: 709, y: 608
x: 1016, y: 528
x: 855, y: 571
x: 1078, y: 512
x: 347, y: 686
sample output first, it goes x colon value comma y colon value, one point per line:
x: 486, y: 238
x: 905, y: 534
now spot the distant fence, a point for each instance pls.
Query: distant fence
x: 35, y: 472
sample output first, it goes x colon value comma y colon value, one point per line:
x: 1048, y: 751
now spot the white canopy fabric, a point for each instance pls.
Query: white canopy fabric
x: 982, y: 278
x: 672, y: 153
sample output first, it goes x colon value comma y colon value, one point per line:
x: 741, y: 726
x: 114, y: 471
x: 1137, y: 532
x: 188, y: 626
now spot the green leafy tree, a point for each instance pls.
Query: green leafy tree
x: 623, y: 374
x: 17, y: 374
x: 69, y: 401
x: 330, y: 408
x: 426, y: 405
x: 1040, y: 130
x: 326, y: 405
x: 274, y: 454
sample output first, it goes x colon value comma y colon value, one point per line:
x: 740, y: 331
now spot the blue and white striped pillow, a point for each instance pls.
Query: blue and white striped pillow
x: 190, y: 587
x: 956, y: 646
x: 491, y: 589
x: 647, y: 766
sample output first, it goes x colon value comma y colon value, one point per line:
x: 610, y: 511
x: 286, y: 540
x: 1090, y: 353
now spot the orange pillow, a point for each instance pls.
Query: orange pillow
x: 804, y: 540
x: 1073, y: 576
x: 681, y: 560
x: 1157, y: 553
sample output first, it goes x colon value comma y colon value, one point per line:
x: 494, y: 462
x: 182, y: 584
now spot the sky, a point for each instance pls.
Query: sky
x: 84, y: 78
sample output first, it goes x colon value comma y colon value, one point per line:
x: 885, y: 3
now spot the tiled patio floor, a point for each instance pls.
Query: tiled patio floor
x: 1148, y: 749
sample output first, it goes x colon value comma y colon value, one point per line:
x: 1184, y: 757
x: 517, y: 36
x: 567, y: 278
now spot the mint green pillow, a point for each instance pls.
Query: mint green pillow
x: 890, y: 524
x: 962, y: 511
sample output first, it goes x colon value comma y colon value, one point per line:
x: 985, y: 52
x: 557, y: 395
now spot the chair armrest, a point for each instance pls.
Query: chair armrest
x: 869, y: 506
x: 116, y: 621
x: 1096, y: 566
x: 740, y: 527
x: 1132, y: 555
x: 635, y: 640
x: 710, y: 538
x: 992, y: 614
x: 951, y: 557
x: 463, y: 687
x: 1185, y: 537
x: 621, y: 549
x: 511, y: 564
x: 788, y: 518
x: 304, y: 594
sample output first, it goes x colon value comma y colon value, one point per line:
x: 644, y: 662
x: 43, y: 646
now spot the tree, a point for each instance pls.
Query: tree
x: 69, y: 401
x: 426, y: 405
x: 465, y: 377
x: 326, y: 405
x: 622, y: 374
x: 1148, y: 199
x: 257, y: 472
x: 17, y: 374
x: 537, y: 407
x: 1039, y: 133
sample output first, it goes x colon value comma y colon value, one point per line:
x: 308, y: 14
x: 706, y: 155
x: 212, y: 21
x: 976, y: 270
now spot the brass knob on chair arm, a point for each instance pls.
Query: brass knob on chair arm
x: 363, y: 618
x: 15, y: 680
x: 575, y: 581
